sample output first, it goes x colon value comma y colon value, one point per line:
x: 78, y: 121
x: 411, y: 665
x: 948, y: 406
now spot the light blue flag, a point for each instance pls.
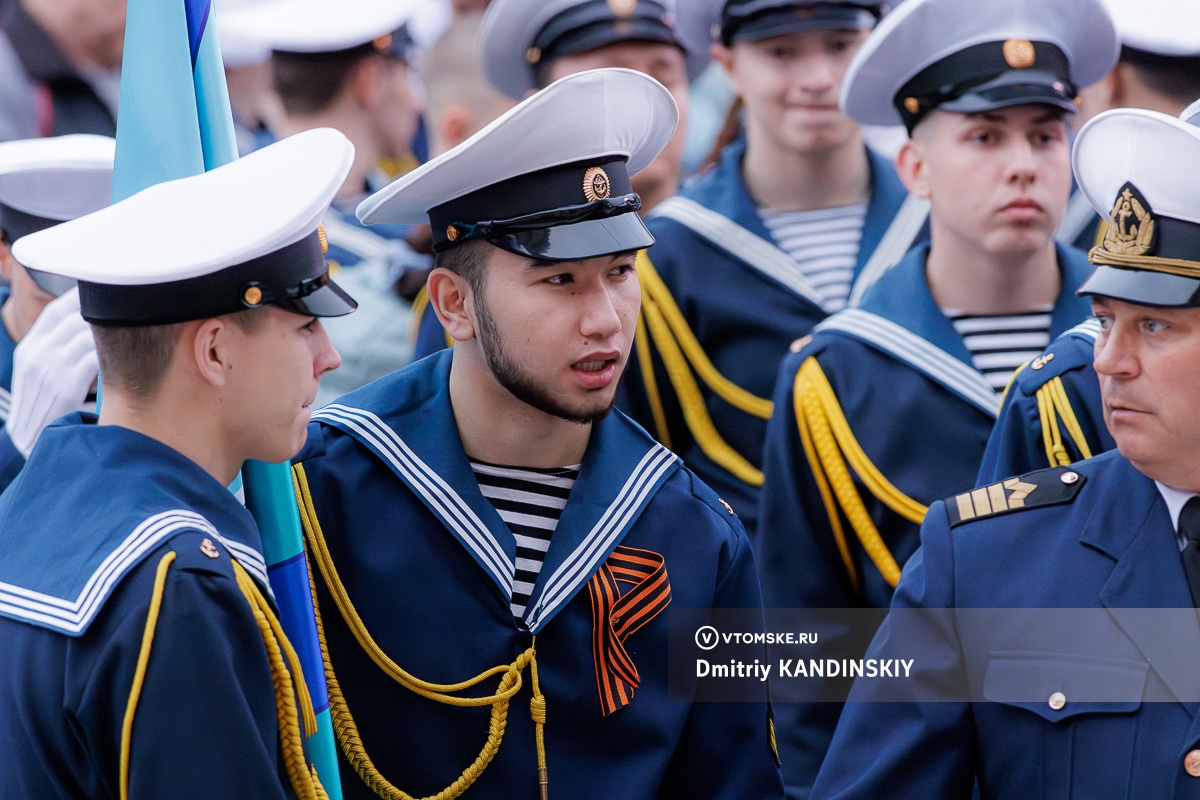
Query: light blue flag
x: 174, y: 120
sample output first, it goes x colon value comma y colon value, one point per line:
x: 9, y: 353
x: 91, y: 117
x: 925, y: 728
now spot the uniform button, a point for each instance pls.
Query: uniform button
x: 1057, y: 701
x: 1191, y: 762
x: 1070, y: 477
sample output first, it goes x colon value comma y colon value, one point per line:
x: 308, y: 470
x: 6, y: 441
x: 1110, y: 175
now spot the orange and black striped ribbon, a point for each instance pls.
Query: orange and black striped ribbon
x: 615, y: 617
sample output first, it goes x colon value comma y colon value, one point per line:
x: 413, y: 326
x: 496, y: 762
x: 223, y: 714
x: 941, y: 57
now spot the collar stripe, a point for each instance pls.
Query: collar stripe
x: 75, y: 616
x: 897, y: 240
x: 5, y: 404
x: 918, y: 353
x: 441, y: 497
x: 741, y: 243
x: 582, y: 563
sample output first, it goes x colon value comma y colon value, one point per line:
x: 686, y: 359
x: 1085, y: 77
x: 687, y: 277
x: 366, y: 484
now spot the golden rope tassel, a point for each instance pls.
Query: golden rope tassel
x: 280, y: 654
x: 346, y: 729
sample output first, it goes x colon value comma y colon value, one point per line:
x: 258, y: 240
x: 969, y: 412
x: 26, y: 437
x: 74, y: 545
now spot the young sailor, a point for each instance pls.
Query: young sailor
x: 482, y: 513
x: 795, y: 221
x: 142, y: 657
x: 1097, y: 698
x: 887, y: 407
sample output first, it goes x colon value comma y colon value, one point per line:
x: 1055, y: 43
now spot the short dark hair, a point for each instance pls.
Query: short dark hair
x: 1175, y: 78
x: 308, y: 83
x: 135, y: 358
x: 467, y: 260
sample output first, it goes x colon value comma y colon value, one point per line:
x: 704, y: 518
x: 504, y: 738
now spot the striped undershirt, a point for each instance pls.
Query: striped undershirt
x: 999, y: 343
x: 824, y: 244
x: 530, y: 501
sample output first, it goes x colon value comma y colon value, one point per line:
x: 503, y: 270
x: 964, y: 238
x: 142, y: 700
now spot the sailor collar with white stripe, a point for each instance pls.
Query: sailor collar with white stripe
x: 419, y: 442
x: 60, y: 562
x: 899, y: 317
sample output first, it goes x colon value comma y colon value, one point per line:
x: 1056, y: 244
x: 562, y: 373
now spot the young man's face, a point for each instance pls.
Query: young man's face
x: 998, y: 181
x: 790, y: 84
x: 273, y: 372
x: 557, y: 334
x: 665, y: 63
x: 1148, y: 360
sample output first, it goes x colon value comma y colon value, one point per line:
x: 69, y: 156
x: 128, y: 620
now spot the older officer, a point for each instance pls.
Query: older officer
x: 888, y: 406
x: 1115, y: 532
x: 1052, y: 414
x: 483, y: 507
x: 797, y: 219
x: 141, y: 656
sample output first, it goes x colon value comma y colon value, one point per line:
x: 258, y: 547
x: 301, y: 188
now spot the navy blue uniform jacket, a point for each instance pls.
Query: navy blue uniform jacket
x: 428, y: 563
x: 1113, y: 547
x: 83, y: 530
x: 920, y: 412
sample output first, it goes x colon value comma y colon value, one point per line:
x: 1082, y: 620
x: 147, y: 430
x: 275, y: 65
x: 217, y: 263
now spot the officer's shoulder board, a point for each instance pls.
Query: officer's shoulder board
x: 1046, y: 487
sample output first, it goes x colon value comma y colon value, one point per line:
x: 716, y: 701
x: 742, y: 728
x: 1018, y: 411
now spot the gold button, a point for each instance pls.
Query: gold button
x: 1057, y: 701
x: 252, y: 296
x: 1070, y: 477
x: 1191, y: 762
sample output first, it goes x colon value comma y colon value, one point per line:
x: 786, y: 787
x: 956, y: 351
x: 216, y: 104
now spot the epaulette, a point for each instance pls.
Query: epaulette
x: 1045, y: 487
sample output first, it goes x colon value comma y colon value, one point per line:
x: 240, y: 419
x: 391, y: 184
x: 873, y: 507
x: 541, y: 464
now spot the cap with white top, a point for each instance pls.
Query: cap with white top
x: 968, y: 57
x: 1138, y: 169
x: 243, y: 235
x: 319, y: 26
x: 549, y: 179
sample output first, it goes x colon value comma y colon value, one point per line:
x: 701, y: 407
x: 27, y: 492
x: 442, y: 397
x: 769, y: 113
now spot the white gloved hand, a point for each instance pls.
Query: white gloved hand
x: 54, y: 366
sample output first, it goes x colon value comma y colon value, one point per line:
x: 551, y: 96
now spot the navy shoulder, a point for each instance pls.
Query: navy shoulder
x: 1039, y: 489
x: 196, y: 551
x: 726, y: 518
x: 1069, y: 352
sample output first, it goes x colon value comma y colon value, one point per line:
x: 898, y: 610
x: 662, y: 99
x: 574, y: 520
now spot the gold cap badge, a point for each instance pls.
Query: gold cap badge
x: 252, y: 296
x: 1019, y: 53
x: 623, y: 9
x: 1131, y: 224
x: 912, y: 105
x: 595, y: 184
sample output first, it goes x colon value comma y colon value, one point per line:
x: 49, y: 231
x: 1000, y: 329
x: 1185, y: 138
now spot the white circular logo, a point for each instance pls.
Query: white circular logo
x: 707, y: 637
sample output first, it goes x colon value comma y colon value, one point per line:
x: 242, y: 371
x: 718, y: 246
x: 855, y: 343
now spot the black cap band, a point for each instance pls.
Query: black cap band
x: 594, y: 24
x: 988, y: 76
x: 16, y: 223
x: 544, y: 199
x: 754, y: 20
x: 294, y: 277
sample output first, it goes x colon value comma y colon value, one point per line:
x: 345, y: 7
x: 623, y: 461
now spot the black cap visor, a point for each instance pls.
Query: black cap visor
x: 1143, y: 287
x: 580, y: 240
x: 1016, y: 88
x: 328, y: 300
x: 779, y: 21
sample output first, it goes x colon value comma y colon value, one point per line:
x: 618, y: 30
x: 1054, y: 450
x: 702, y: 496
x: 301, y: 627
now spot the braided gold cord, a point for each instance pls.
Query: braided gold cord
x: 279, y: 652
x: 346, y: 729
x: 819, y: 404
